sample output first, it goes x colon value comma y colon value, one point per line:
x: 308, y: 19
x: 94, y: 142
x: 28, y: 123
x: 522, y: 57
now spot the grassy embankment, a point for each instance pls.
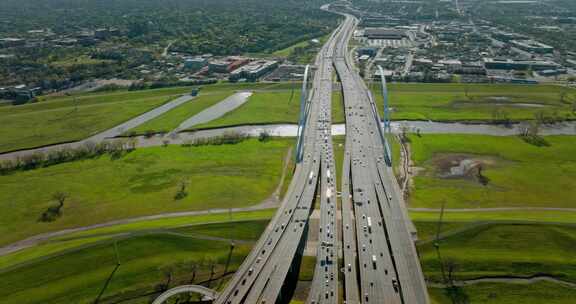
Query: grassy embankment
x: 61, y: 119
x: 499, y: 249
x: 499, y: 293
x: 443, y: 102
x: 453, y: 102
x: 268, y: 99
x: 262, y: 108
x: 272, y: 108
x: 498, y: 243
x: 69, y: 118
x: 146, y: 259
x: 141, y: 183
x: 172, y: 119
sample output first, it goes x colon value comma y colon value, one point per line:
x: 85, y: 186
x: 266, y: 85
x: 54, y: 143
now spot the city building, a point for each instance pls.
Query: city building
x: 218, y: 66
x: 369, y: 51
x: 195, y: 63
x: 11, y: 42
x: 532, y: 46
x: 385, y: 33
x: 253, y: 70
x: 509, y: 64
x: 227, y: 65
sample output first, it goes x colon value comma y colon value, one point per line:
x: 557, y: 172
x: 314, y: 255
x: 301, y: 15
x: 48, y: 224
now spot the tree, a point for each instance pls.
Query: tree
x: 181, y: 193
x: 481, y: 177
x: 533, y: 129
x: 193, y: 269
x: 132, y: 143
x: 53, y: 212
x: 540, y: 117
x: 212, y: 265
x: 167, y: 272
x: 451, y: 267
x: 404, y: 129
x: 264, y: 136
x: 563, y: 96
x: 60, y: 197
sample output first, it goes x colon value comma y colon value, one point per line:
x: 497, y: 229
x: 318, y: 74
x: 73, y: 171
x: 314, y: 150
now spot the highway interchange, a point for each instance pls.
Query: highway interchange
x: 380, y: 263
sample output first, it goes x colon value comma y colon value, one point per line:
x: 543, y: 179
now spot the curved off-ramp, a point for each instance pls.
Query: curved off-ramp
x: 207, y: 293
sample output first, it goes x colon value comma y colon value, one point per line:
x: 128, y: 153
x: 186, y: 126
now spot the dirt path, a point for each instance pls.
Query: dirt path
x: 269, y: 203
x: 405, y: 173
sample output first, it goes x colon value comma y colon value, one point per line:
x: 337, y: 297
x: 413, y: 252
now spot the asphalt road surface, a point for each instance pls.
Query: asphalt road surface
x: 374, y: 214
x: 271, y: 263
x: 380, y: 260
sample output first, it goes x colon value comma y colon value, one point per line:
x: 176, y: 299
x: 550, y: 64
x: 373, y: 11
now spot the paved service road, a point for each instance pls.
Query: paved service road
x: 136, y: 121
x: 215, y: 111
x: 105, y: 135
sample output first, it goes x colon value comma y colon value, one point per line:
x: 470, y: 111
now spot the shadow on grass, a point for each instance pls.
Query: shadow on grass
x: 457, y: 295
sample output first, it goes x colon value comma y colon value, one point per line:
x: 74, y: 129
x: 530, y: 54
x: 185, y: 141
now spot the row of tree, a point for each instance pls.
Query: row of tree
x: 88, y: 150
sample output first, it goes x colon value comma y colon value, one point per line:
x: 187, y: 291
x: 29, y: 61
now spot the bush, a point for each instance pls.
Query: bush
x: 264, y: 136
x: 228, y: 138
x: 115, y: 149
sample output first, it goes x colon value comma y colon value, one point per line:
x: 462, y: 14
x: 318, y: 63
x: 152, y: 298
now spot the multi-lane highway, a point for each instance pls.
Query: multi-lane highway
x: 324, y: 287
x: 380, y: 260
x: 262, y: 275
x: 381, y: 263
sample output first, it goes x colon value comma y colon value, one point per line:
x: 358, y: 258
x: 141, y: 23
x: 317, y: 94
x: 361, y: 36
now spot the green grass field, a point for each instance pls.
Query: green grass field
x: 173, y: 118
x: 307, y: 267
x: 77, y: 275
x: 546, y: 216
x: 56, y: 120
x: 247, y: 230
x: 262, y: 108
x: 448, y: 102
x: 519, y: 174
x: 338, y: 115
x: 57, y: 245
x: 505, y: 250
x: 141, y: 183
x: 499, y: 293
